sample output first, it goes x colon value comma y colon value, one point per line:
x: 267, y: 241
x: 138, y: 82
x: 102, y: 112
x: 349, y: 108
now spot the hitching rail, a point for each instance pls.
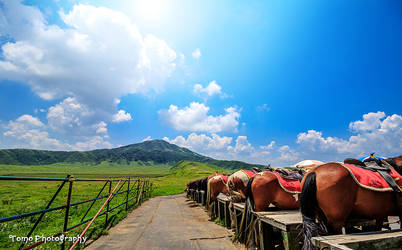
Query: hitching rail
x: 140, y: 190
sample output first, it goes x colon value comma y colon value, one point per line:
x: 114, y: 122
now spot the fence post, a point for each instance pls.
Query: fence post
x: 149, y: 189
x: 144, y: 192
x: 70, y: 187
x: 107, y: 206
x: 128, y: 190
x: 137, y: 191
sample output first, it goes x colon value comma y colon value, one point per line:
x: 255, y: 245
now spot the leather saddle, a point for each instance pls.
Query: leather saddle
x: 293, y: 175
x: 376, y: 165
x: 256, y: 170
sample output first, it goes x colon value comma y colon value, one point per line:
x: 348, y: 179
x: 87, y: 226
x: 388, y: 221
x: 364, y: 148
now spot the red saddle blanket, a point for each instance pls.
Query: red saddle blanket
x: 249, y: 173
x: 224, y: 178
x: 289, y: 185
x: 372, y: 180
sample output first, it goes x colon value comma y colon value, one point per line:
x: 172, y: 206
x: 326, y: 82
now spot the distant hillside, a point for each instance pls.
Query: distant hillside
x: 192, y: 168
x: 156, y: 151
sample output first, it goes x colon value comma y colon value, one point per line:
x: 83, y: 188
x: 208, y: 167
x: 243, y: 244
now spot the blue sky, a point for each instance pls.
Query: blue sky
x: 259, y: 81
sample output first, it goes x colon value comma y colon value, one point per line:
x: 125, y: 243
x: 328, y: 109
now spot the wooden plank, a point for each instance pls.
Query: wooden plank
x: 373, y: 240
x: 239, y: 206
x: 284, y: 221
x: 223, y: 197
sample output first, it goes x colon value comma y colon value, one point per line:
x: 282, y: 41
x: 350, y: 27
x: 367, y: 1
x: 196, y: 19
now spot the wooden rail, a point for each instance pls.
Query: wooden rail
x: 132, y: 190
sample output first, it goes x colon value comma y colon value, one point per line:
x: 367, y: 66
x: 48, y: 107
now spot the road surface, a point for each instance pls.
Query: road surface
x: 167, y: 222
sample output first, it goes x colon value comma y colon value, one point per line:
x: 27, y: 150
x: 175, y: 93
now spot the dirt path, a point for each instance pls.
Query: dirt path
x: 167, y: 222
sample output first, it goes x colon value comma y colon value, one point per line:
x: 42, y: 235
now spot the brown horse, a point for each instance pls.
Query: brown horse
x: 216, y: 185
x: 330, y: 195
x: 266, y: 190
x: 237, y: 183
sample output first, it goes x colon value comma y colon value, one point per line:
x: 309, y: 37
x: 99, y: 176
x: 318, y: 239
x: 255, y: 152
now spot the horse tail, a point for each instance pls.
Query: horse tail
x: 308, y: 207
x: 249, y: 194
x: 247, y: 213
x: 308, y: 203
x: 208, y: 192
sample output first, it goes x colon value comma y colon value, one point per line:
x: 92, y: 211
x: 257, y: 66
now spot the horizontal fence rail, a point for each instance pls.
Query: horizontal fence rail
x: 137, y: 190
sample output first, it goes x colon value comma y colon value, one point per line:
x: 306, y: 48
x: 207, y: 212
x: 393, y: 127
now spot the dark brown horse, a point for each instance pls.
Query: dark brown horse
x: 266, y: 190
x: 330, y: 195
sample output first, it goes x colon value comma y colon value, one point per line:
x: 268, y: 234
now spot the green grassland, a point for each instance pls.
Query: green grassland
x: 82, y: 170
x: 18, y: 197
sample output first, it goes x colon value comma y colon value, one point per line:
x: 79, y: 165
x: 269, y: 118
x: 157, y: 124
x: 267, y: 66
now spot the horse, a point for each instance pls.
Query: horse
x: 216, y: 185
x: 331, y: 195
x: 237, y: 183
x: 203, y: 186
x: 265, y: 189
x: 190, y: 185
x: 280, y: 187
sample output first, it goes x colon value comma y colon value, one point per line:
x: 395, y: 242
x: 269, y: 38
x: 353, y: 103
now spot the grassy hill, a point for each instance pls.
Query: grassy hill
x: 144, y: 153
x: 181, y: 174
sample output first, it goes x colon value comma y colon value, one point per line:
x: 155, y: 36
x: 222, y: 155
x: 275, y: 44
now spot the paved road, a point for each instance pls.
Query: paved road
x: 166, y: 222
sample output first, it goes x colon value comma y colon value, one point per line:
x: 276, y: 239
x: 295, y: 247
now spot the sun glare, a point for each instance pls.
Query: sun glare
x: 151, y: 9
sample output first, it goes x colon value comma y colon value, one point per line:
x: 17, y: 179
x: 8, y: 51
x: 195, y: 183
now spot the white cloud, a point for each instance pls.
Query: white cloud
x: 121, y: 116
x: 269, y: 146
x: 212, y: 89
x: 242, y: 145
x: 30, y: 120
x: 196, y: 53
x: 72, y: 118
x: 314, y: 141
x: 90, y: 143
x: 100, y: 128
x: 376, y: 133
x: 98, y: 49
x: 148, y: 138
x: 29, y: 132
x: 195, y: 118
x: 202, y: 142
x: 225, y: 148
x: 371, y: 121
x: 288, y: 155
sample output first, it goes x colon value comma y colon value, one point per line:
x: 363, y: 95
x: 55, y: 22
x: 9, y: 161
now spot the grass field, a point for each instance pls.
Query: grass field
x: 25, y: 196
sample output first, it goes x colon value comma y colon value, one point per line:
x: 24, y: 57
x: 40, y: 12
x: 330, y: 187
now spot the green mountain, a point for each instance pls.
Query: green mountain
x: 156, y: 151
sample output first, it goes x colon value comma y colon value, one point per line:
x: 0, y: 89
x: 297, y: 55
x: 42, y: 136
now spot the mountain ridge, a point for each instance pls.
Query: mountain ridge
x: 157, y: 151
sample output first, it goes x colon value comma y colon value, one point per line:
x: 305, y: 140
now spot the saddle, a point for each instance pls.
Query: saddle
x: 376, y: 165
x: 292, y: 175
x: 256, y: 170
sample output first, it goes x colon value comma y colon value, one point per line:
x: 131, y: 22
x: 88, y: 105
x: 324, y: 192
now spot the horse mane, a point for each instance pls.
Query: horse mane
x: 353, y: 161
